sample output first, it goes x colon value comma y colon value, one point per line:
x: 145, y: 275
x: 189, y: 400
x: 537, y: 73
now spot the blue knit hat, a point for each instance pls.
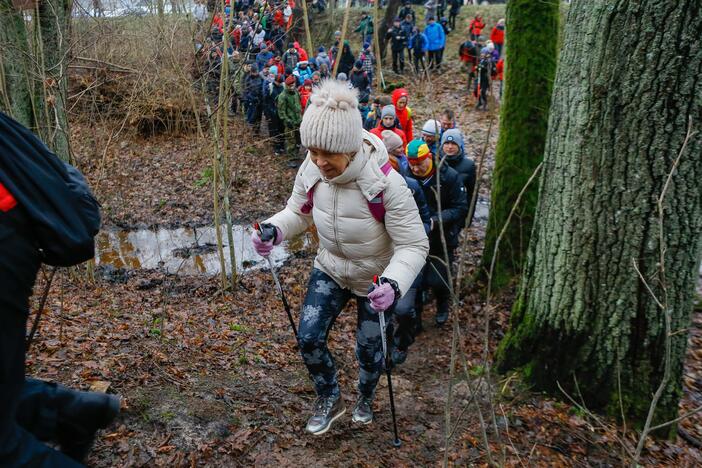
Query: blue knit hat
x: 453, y: 135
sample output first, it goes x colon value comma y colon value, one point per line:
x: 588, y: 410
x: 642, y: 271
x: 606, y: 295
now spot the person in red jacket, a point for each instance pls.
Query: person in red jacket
x: 218, y: 21
x: 476, y: 27
x: 305, y: 91
x: 500, y: 67
x: 497, y: 36
x: 400, y: 99
x: 388, y: 121
x: 300, y: 51
x: 278, y: 18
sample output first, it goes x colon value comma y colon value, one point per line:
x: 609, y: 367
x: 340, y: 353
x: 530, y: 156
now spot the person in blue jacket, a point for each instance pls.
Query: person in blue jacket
x: 418, y: 43
x: 263, y: 57
x: 405, y: 310
x: 436, y: 41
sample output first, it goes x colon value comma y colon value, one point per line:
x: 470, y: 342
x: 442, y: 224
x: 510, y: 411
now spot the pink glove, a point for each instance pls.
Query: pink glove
x: 382, y: 297
x: 264, y: 248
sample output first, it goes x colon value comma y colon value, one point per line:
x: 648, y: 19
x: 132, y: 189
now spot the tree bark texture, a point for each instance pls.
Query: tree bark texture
x: 54, y: 21
x: 629, y: 81
x: 15, y: 83
x: 523, y: 122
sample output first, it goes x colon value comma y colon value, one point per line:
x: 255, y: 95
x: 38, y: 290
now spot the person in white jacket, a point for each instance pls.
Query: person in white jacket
x: 368, y: 224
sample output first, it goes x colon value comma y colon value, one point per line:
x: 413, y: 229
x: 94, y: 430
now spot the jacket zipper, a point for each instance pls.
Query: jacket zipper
x: 336, y: 233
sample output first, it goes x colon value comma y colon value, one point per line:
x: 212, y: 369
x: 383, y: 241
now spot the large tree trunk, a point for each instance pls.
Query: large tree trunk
x: 54, y: 20
x: 15, y: 82
x: 629, y: 80
x: 523, y: 122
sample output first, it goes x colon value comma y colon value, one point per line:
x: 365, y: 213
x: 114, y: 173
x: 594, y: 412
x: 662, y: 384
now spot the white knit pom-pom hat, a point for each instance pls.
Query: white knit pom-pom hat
x: 332, y: 121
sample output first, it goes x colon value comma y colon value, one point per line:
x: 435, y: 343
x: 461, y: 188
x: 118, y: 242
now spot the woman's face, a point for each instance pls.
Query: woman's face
x: 402, y: 102
x: 388, y: 121
x: 330, y: 164
x: 396, y: 154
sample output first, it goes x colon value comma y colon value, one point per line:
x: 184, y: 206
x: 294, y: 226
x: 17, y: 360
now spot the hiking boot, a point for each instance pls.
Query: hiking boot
x: 80, y: 416
x: 442, y: 312
x: 363, y: 411
x: 398, y: 356
x: 326, y: 411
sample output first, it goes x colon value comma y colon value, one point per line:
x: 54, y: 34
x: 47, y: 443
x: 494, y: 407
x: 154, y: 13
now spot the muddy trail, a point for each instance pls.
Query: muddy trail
x: 212, y: 379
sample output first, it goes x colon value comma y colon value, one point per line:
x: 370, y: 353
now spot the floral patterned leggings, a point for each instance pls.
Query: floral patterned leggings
x: 323, y: 303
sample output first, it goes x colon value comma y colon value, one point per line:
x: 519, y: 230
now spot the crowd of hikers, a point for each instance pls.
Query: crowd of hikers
x: 271, y: 76
x: 389, y: 198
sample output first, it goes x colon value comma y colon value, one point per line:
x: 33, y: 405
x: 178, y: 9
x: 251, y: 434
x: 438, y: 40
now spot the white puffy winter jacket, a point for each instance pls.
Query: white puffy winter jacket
x: 353, y: 245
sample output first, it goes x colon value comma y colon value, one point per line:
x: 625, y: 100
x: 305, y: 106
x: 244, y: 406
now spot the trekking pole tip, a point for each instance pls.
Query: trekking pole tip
x: 397, y: 443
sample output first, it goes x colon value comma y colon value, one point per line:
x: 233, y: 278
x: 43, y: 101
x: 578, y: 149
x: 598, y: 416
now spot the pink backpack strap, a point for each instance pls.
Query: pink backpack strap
x: 377, y: 205
x: 309, y: 204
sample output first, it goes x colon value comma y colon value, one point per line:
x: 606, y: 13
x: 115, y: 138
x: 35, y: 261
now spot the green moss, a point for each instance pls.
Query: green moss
x: 529, y: 76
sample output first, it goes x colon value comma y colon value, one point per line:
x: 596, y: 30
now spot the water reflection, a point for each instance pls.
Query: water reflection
x: 184, y: 251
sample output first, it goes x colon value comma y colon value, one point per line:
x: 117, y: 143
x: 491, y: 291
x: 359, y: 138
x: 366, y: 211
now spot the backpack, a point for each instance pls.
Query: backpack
x: 376, y: 205
x: 64, y: 214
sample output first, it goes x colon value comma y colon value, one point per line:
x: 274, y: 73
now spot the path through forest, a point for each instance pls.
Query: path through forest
x: 214, y: 380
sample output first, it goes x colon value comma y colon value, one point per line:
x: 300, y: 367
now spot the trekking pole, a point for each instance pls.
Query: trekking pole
x: 44, y: 296
x: 267, y: 232
x: 383, y: 338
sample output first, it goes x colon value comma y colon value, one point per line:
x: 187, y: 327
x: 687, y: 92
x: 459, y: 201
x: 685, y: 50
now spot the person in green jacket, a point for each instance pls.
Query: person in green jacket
x: 365, y: 27
x: 290, y: 112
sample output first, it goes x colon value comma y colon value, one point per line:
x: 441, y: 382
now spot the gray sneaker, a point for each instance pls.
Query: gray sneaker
x: 363, y: 411
x: 326, y: 411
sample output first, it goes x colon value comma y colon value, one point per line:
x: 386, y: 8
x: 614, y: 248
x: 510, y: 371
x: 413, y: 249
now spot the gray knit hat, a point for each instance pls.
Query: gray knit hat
x: 388, y: 110
x: 391, y: 140
x: 332, y: 121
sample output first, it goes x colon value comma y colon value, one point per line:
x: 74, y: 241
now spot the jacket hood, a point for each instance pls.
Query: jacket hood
x: 397, y: 94
x: 364, y: 168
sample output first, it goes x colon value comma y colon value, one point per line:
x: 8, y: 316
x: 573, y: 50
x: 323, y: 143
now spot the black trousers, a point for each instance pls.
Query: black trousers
x: 275, y: 131
x: 398, y: 61
x: 22, y: 402
x: 419, y: 62
x: 434, y: 58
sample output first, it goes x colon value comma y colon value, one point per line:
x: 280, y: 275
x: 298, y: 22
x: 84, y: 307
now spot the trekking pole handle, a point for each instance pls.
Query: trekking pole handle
x: 266, y: 232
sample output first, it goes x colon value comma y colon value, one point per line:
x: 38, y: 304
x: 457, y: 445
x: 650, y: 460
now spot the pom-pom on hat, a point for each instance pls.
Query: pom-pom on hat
x: 332, y: 121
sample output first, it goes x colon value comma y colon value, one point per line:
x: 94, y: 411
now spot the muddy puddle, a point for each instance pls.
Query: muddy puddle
x: 193, y: 251
x: 185, y: 251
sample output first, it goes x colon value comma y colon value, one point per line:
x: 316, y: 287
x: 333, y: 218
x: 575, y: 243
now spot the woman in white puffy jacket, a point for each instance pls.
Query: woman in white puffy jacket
x: 368, y: 225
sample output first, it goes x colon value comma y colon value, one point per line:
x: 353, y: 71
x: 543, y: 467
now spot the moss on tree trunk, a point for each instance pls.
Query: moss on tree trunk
x: 15, y: 84
x: 34, y: 81
x: 532, y: 34
x: 54, y: 21
x: 629, y: 81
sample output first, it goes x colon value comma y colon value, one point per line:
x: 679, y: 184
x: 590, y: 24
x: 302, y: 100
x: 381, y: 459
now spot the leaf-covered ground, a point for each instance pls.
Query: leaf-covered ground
x: 212, y: 379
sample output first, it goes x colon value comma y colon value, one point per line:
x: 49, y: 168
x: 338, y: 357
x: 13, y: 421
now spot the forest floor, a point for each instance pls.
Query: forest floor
x: 211, y: 379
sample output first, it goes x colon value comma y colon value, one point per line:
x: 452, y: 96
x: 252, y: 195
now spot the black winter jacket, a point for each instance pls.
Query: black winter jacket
x: 454, y: 207
x: 466, y: 173
x: 253, y: 89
